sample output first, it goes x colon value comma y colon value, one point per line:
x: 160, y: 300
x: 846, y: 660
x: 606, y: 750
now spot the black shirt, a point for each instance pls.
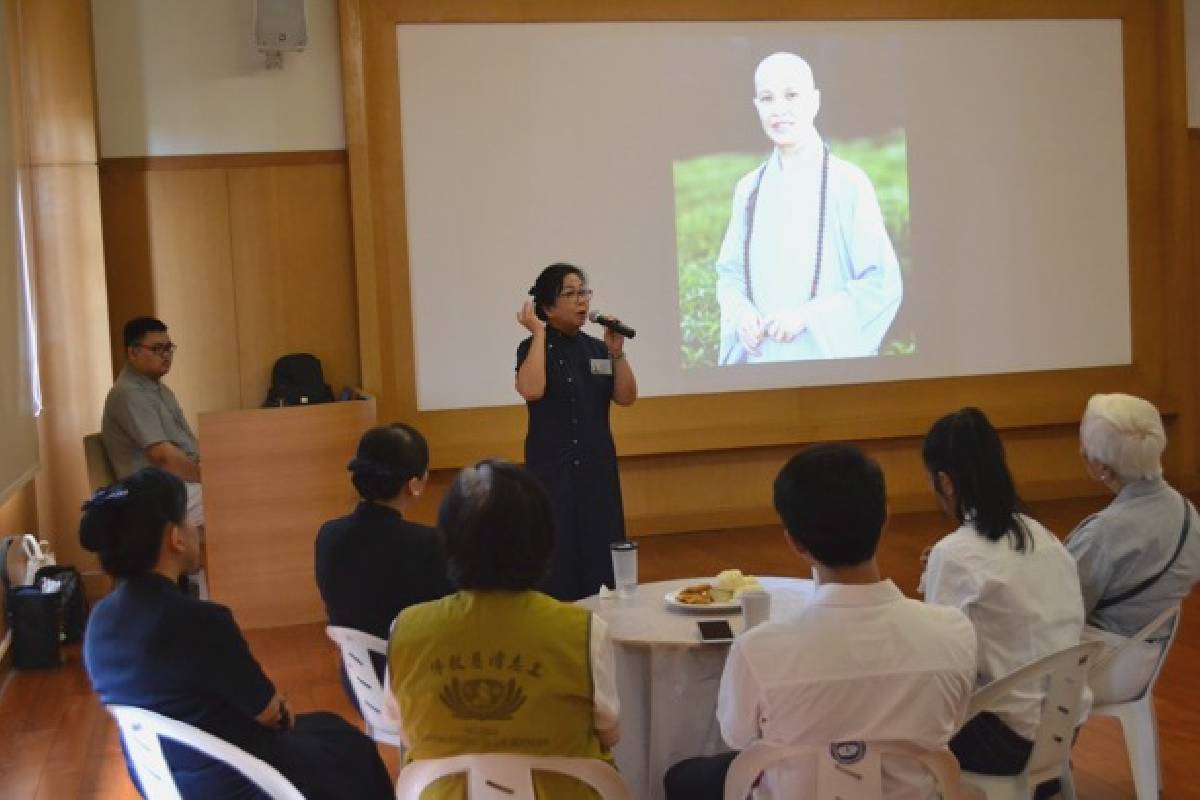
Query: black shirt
x: 373, y: 563
x: 569, y: 425
x: 150, y: 645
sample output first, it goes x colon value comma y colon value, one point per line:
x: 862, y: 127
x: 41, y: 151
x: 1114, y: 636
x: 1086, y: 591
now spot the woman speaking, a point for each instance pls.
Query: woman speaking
x: 568, y: 380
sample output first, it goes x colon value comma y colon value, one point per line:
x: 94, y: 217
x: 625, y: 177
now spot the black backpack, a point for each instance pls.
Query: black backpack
x: 297, y: 379
x: 35, y: 617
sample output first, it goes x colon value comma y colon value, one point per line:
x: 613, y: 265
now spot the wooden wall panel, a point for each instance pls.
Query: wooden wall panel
x: 293, y: 267
x: 129, y: 278
x: 245, y: 256
x: 59, y: 99
x: 192, y: 277
x: 73, y: 354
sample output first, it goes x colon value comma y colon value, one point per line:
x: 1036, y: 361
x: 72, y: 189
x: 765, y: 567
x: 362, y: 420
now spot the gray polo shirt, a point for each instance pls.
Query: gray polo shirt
x: 139, y: 412
x: 1128, y: 542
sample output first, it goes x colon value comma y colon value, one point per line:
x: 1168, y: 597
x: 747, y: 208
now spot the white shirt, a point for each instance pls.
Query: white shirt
x: 859, y: 662
x: 1024, y: 605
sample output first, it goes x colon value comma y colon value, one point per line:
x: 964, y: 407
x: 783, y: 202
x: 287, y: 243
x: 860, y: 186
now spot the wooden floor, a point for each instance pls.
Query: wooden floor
x: 57, y: 743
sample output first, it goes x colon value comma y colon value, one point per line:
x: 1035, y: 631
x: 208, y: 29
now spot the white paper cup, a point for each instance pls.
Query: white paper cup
x: 756, y: 608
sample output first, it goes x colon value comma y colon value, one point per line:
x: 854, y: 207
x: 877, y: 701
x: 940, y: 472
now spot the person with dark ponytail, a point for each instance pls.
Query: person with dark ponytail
x: 569, y: 381
x: 374, y: 563
x: 152, y: 646
x: 1012, y: 578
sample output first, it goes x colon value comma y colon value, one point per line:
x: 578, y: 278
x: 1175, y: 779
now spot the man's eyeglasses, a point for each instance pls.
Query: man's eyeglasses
x: 160, y: 350
x: 574, y: 296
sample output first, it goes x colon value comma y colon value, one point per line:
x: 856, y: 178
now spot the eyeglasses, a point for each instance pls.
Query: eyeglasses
x: 161, y: 350
x: 574, y: 296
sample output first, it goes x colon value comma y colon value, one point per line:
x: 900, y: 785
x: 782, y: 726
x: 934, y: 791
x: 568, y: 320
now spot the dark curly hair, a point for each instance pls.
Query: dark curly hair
x: 548, y: 286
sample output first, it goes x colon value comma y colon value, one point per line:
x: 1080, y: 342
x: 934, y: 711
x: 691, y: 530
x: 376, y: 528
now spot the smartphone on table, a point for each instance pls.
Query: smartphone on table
x: 715, y: 630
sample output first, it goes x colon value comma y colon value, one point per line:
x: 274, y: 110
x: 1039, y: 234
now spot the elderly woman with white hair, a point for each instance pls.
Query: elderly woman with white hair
x: 1140, y: 554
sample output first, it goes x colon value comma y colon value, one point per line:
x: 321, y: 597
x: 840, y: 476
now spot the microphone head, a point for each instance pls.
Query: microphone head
x: 594, y: 316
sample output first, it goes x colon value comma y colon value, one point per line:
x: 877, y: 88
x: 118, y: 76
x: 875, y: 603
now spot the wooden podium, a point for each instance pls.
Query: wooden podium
x: 271, y: 477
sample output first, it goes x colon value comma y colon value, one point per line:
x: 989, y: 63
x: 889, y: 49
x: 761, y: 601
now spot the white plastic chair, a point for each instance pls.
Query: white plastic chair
x: 1138, y: 723
x: 356, y: 648
x: 1065, y: 673
x: 507, y: 776
x: 751, y: 762
x: 142, y: 729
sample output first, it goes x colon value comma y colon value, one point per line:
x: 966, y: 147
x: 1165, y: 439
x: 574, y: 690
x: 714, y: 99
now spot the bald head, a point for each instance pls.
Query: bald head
x: 787, y: 67
x: 786, y: 101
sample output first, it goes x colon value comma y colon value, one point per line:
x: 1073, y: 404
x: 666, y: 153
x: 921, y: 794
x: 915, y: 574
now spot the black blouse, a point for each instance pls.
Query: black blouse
x: 373, y: 563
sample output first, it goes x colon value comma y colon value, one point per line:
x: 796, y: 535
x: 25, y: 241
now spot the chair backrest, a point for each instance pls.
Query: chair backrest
x: 1147, y: 634
x: 142, y: 729
x: 356, y: 648
x: 508, y: 776
x: 100, y: 470
x: 853, y: 766
x: 1065, y: 676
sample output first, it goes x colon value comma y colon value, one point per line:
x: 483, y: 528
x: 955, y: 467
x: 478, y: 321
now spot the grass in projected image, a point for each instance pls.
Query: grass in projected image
x: 703, y: 188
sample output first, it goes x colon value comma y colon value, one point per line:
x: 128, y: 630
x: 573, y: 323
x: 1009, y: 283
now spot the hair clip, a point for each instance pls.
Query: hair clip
x: 108, y: 496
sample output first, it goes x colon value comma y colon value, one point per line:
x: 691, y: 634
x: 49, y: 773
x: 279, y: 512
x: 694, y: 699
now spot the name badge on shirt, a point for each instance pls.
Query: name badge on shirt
x: 601, y: 366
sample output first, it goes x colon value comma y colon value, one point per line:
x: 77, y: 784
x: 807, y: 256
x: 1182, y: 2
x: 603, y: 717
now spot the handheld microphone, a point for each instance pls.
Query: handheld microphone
x: 612, y: 324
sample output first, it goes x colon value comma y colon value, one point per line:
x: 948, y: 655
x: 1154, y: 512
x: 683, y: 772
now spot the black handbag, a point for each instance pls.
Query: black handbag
x: 34, y: 618
x: 72, y: 599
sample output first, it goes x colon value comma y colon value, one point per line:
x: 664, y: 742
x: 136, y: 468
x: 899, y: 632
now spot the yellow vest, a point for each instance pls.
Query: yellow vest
x: 496, y: 672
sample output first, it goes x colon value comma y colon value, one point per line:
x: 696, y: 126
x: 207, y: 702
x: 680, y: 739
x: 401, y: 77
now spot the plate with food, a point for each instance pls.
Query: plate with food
x: 721, y: 594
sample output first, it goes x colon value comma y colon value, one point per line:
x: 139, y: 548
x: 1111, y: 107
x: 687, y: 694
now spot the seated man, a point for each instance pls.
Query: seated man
x: 859, y: 662
x: 143, y: 425
x: 1136, y: 558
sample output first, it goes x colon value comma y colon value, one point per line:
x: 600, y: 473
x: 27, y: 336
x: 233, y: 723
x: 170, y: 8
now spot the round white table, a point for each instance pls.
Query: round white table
x: 667, y: 679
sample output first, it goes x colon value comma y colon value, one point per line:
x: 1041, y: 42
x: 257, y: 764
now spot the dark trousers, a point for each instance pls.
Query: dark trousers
x: 700, y: 778
x: 987, y: 745
x: 328, y: 758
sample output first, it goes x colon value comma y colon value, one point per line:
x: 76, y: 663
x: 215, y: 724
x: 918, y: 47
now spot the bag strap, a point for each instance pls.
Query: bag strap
x: 1146, y: 584
x: 33, y: 548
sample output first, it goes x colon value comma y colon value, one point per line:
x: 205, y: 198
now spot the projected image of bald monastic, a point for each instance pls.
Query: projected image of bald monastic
x: 806, y: 269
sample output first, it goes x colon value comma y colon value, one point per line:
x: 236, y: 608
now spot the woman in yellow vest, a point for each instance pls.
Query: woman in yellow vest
x: 500, y: 667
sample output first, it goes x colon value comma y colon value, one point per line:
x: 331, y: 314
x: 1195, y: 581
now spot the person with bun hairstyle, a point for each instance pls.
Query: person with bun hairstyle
x: 500, y: 667
x: 1012, y: 578
x: 373, y: 563
x: 569, y: 381
x: 1141, y: 554
x: 152, y: 646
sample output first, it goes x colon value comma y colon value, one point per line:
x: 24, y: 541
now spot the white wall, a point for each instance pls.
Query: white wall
x: 183, y: 76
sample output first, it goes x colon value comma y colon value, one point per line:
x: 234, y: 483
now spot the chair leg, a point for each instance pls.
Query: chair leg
x: 1141, y: 741
x: 1067, y: 783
